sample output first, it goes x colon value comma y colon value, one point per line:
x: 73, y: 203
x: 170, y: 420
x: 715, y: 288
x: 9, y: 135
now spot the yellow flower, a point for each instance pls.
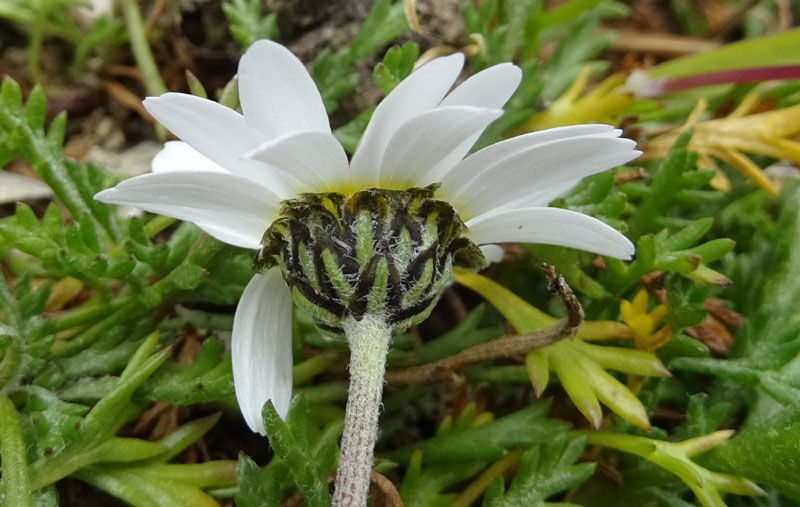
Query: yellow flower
x: 644, y: 323
x: 600, y: 105
x: 770, y: 133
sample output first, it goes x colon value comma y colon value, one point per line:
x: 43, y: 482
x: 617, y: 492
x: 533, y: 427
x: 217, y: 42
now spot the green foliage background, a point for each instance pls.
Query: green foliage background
x: 71, y: 380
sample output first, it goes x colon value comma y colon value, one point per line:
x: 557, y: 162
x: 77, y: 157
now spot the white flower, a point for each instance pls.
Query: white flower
x: 230, y: 172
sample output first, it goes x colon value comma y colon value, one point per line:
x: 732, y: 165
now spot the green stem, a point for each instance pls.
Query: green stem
x: 15, y: 481
x: 124, y: 313
x: 37, y: 36
x: 369, y: 342
x: 310, y: 368
x: 324, y: 393
x: 86, y: 314
x: 140, y: 47
x: 157, y: 224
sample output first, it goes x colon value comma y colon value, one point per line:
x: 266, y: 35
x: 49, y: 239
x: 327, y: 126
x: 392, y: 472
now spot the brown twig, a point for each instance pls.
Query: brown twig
x: 504, y: 346
x: 637, y: 174
x: 126, y: 97
x: 784, y: 21
x: 384, y: 491
x: 128, y: 71
x: 152, y: 19
x: 660, y: 44
x: 719, y: 30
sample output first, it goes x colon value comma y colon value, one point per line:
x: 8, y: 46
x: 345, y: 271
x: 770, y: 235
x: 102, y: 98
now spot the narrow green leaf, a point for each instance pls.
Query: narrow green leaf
x: 489, y: 441
x: 255, y: 489
x: 15, y: 481
x: 36, y: 108
x: 309, y: 478
x: 773, y: 50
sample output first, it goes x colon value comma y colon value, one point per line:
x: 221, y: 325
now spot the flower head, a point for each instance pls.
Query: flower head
x: 644, y: 323
x: 375, y: 235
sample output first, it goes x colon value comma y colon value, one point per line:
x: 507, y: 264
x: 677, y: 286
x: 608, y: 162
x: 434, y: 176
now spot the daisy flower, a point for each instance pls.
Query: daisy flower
x: 365, y: 245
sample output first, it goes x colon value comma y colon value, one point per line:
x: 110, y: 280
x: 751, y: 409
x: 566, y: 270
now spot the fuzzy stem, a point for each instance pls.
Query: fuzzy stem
x: 369, y: 342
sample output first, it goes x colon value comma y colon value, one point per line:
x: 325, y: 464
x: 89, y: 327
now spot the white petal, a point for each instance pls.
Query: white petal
x: 217, y: 132
x: 236, y: 237
x: 551, y: 226
x: 421, y: 91
x: 539, y: 197
x: 278, y: 96
x: 493, y: 253
x: 261, y: 348
x: 179, y: 156
x: 424, y: 143
x: 483, y: 160
x: 316, y: 159
x: 232, y: 206
x: 530, y: 172
x: 489, y: 88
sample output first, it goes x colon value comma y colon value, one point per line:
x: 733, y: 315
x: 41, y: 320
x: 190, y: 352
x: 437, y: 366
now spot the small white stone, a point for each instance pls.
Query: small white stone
x: 16, y: 187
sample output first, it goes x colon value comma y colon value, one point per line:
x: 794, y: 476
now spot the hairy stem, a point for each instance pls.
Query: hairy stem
x: 369, y: 342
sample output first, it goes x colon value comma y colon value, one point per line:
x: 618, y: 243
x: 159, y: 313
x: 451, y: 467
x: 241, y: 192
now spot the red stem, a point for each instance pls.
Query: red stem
x: 749, y: 75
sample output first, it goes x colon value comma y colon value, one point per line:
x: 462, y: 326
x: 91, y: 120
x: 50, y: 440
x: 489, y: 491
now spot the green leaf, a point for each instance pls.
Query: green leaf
x: 208, y: 378
x: 36, y: 109
x: 310, y: 477
x: 185, y: 435
x: 385, y: 21
x: 582, y: 42
x: 566, y: 12
x: 546, y: 470
x: 247, y: 23
x: 685, y: 302
x: 10, y: 97
x: 767, y: 51
x: 105, y: 34
x: 350, y: 133
x: 151, y: 481
x: 26, y: 217
x: 196, y: 87
x: 334, y: 73
x: 33, y: 304
x: 15, y: 481
x: 490, y: 441
x: 100, y: 424
x: 147, y: 488
x: 117, y: 449
x: 765, y: 452
x: 255, y: 487
x: 765, y: 349
x: 397, y: 64
x: 424, y: 486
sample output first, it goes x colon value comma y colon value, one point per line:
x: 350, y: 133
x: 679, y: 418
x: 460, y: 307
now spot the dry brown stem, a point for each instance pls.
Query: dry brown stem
x: 505, y: 346
x: 660, y: 44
